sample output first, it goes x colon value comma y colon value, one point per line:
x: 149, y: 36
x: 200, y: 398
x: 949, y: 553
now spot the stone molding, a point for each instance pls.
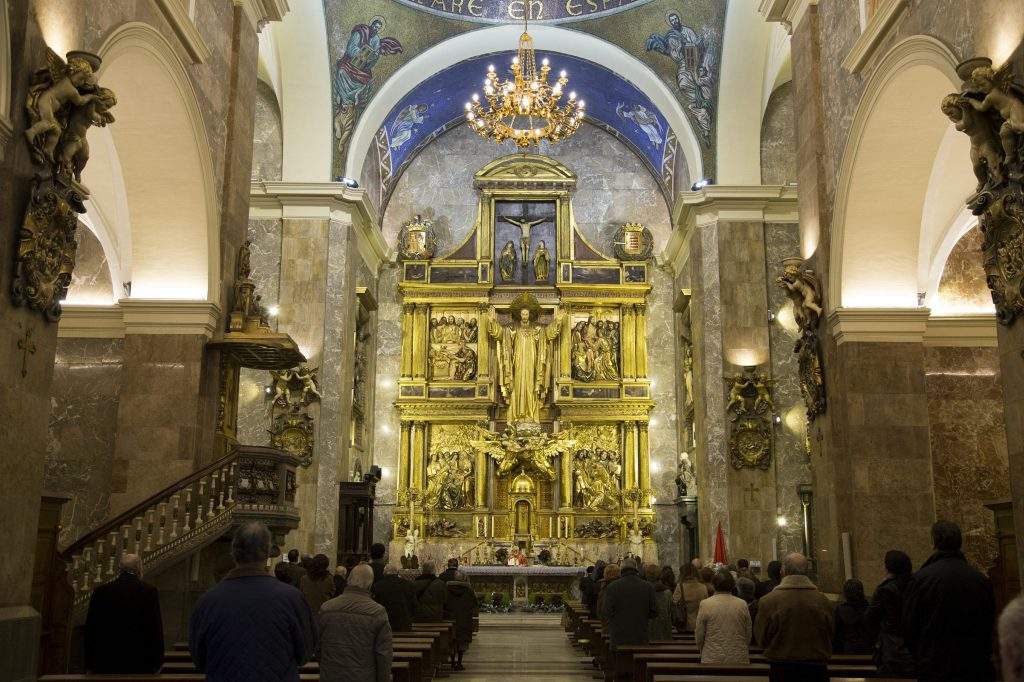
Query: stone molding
x: 261, y: 12
x: 974, y: 330
x: 886, y: 325
x: 326, y: 200
x: 140, y: 316
x: 725, y: 203
x: 788, y: 12
x: 185, y: 29
x: 874, y: 34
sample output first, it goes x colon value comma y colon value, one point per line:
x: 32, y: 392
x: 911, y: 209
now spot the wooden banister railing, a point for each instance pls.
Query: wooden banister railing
x: 251, y: 483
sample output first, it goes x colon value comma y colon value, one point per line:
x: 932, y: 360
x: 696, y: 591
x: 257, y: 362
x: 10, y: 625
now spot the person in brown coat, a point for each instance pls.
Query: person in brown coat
x: 795, y: 625
x: 318, y: 585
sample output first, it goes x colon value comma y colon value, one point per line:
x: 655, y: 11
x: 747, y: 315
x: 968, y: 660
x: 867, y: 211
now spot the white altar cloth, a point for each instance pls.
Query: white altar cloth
x: 522, y: 570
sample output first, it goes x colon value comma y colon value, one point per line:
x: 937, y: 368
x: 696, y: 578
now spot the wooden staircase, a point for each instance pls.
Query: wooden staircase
x: 251, y: 483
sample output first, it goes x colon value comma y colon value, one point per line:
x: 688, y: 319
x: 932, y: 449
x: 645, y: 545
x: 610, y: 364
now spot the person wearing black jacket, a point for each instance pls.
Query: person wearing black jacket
x: 885, y: 616
x: 949, y: 614
x: 628, y: 603
x: 398, y: 597
x: 377, y: 562
x: 763, y: 587
x: 852, y: 634
x: 449, y: 572
x: 123, y: 630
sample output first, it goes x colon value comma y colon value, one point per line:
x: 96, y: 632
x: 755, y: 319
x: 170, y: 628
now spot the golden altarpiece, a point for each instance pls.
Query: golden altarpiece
x: 523, y: 394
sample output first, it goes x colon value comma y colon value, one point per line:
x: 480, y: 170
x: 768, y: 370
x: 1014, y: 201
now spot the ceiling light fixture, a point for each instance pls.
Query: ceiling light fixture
x: 526, y: 108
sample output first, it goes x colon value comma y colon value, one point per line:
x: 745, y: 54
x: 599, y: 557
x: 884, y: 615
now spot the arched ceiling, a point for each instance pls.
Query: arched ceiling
x: 385, y: 53
x: 437, y: 103
x: 513, y: 11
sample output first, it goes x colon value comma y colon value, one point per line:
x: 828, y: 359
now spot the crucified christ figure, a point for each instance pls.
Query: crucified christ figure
x: 524, y: 225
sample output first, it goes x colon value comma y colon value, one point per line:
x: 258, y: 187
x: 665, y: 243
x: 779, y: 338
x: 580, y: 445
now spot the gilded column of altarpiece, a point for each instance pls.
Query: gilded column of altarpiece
x: 523, y: 389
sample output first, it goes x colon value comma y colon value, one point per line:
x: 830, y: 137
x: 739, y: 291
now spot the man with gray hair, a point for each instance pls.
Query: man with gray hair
x: 355, y: 637
x: 1011, y: 640
x: 123, y: 630
x: 795, y: 625
x: 430, y: 594
x: 251, y: 626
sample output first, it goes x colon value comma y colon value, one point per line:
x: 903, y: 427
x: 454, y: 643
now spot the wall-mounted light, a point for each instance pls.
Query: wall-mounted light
x: 781, y: 521
x: 274, y: 310
x: 777, y: 419
x: 348, y: 182
x: 655, y: 467
x: 701, y: 184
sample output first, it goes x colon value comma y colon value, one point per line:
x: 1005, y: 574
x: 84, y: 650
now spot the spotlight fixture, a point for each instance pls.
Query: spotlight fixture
x: 274, y: 310
x: 701, y: 184
x: 781, y: 521
x: 349, y: 182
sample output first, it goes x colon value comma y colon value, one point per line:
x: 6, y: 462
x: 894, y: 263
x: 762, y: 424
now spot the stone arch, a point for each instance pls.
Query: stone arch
x: 902, y: 181
x: 154, y: 204
x: 546, y: 38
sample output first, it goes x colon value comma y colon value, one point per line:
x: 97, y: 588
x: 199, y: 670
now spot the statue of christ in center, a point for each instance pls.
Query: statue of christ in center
x: 524, y: 358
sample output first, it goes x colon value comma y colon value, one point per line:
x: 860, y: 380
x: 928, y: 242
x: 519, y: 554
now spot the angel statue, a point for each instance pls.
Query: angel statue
x: 986, y: 149
x: 524, y: 358
x: 53, y: 94
x: 1004, y: 96
x: 74, y: 147
x: 803, y: 288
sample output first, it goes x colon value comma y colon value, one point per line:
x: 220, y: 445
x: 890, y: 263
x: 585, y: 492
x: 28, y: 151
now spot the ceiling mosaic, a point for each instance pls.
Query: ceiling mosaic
x: 680, y: 41
x: 514, y: 11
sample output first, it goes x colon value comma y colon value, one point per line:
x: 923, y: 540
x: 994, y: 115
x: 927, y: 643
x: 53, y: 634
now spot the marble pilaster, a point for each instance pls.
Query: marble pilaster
x: 386, y: 435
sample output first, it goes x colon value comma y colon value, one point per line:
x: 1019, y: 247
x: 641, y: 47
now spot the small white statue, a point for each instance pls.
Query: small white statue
x: 636, y: 542
x: 412, y: 543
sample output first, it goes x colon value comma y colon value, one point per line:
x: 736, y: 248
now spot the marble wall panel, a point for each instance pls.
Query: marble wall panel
x: 613, y: 187
x: 663, y: 429
x: 792, y: 465
x: 158, y: 415
x: 82, y: 431
x: 968, y: 443
x: 778, y: 150
x: 266, y: 259
x: 962, y: 287
x: 387, y: 426
x: 90, y: 282
x: 267, y: 143
x: 711, y: 461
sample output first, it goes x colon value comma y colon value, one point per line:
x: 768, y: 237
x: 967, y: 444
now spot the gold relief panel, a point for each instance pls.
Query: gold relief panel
x: 453, y: 346
x: 597, y: 468
x: 595, y: 345
x: 450, y: 468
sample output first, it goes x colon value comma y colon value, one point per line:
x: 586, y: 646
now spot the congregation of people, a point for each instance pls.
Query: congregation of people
x: 935, y: 624
x: 257, y: 624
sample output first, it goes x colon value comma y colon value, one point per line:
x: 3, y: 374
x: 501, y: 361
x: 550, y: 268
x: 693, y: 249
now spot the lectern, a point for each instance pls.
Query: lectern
x: 355, y: 520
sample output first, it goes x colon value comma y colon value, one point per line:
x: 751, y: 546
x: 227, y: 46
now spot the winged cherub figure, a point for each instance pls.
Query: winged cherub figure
x: 1007, y: 98
x: 74, y: 148
x: 53, y: 89
x: 804, y: 290
x: 986, y: 152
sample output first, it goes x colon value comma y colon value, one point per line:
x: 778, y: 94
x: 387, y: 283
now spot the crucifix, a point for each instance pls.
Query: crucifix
x: 524, y: 222
x: 752, y: 492
x: 27, y: 348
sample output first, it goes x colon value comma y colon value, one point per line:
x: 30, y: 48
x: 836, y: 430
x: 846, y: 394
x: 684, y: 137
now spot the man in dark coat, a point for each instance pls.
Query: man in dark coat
x: 398, y: 597
x: 949, y: 614
x: 460, y: 606
x: 251, y: 626
x: 885, y: 616
x: 290, y: 571
x: 377, y: 562
x: 430, y: 594
x: 449, y: 573
x: 763, y: 587
x: 123, y: 630
x: 588, y: 591
x: 628, y: 603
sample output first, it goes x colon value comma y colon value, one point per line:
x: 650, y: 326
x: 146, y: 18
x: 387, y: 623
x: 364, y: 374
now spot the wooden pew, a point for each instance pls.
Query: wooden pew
x: 400, y: 672
x: 685, y: 670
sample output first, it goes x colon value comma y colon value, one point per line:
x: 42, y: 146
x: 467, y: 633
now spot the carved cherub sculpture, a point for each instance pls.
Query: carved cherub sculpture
x: 803, y: 289
x: 1004, y: 96
x: 73, y: 147
x: 53, y: 89
x: 986, y: 150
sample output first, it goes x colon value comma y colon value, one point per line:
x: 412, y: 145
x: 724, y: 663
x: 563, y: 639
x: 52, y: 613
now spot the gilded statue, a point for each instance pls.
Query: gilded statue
x: 1005, y: 97
x: 289, y: 382
x: 541, y: 264
x: 524, y: 358
x: 596, y: 487
x: 595, y: 345
x: 804, y: 289
x: 514, y: 450
x: 54, y: 92
x: 749, y: 395
x: 451, y: 356
x: 507, y: 262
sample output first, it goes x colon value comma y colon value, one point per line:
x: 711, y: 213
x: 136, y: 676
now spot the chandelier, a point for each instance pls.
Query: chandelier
x: 525, y: 108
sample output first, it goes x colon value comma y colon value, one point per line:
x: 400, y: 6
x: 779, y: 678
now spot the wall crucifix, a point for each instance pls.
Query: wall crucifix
x: 525, y: 220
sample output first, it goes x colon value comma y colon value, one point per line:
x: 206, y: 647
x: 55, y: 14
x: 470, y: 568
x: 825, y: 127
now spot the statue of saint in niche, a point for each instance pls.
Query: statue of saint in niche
x: 507, y: 262
x: 541, y: 264
x: 524, y: 358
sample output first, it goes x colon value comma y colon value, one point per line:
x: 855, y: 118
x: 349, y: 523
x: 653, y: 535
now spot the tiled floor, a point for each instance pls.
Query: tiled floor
x: 522, y: 646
